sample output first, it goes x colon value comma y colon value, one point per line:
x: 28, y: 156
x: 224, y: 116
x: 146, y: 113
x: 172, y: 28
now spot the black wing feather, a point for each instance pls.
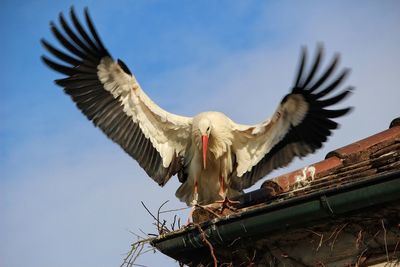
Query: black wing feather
x: 85, y: 52
x: 316, y: 126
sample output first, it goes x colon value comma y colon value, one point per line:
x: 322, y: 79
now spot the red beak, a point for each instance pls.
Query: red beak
x: 204, y: 139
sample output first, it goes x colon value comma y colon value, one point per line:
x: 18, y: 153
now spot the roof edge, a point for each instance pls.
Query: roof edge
x: 300, y: 211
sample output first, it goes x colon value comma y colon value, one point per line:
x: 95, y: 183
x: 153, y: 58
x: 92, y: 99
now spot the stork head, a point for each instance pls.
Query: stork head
x: 205, y: 130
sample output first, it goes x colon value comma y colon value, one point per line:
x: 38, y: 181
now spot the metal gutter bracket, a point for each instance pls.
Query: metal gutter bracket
x: 326, y: 206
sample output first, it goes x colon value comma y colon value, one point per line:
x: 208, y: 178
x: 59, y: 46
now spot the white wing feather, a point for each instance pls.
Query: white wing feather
x: 167, y: 132
x: 109, y: 96
x: 300, y: 125
x: 258, y: 140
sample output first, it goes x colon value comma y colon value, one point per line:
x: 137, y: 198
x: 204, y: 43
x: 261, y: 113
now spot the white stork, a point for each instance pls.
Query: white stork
x: 213, y: 156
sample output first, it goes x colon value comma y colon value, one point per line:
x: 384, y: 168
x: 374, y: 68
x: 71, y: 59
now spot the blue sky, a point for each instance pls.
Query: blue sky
x: 69, y: 196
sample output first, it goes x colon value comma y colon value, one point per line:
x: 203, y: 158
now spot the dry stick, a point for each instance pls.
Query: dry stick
x: 209, y: 210
x: 338, y: 232
x: 376, y: 234
x: 384, y: 238
x: 130, y: 263
x: 359, y: 239
x: 166, y: 211
x: 233, y: 242
x: 395, y: 249
x: 154, y: 217
x: 135, y: 255
x: 333, y: 233
x: 251, y: 263
x: 135, y: 234
x: 144, y: 252
x: 252, y: 259
x: 148, y: 235
x: 138, y: 246
x: 359, y: 258
x: 128, y: 256
x: 160, y: 230
x: 151, y: 214
x: 320, y: 240
x: 205, y: 240
x: 132, y: 252
x: 173, y: 223
x: 163, y: 227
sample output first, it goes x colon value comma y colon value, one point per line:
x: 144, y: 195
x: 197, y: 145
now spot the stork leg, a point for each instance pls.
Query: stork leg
x: 195, y: 194
x: 194, y: 202
x: 195, y: 205
x: 226, y: 202
x: 222, y: 192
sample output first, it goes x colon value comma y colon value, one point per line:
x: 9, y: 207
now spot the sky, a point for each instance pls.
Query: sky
x: 71, y: 197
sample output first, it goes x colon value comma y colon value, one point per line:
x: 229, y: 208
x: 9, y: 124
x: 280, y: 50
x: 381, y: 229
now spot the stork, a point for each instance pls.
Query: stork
x: 213, y: 157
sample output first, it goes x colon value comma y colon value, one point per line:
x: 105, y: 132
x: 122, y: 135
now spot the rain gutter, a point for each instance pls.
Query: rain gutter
x: 280, y: 216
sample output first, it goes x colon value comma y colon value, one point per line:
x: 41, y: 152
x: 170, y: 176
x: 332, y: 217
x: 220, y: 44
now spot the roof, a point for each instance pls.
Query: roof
x: 342, y: 210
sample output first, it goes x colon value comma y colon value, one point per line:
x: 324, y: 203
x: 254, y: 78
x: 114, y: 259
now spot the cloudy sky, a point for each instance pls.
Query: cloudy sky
x: 70, y: 197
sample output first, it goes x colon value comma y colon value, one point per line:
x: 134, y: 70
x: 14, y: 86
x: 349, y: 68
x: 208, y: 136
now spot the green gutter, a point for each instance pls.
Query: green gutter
x: 291, y: 213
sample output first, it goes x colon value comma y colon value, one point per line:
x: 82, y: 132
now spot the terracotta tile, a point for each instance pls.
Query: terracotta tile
x: 289, y: 180
x: 322, y: 167
x: 283, y: 182
x: 365, y: 144
x: 335, y: 160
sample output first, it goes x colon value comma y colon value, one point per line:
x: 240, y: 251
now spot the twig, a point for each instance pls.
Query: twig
x: 384, y: 238
x: 148, y: 235
x: 162, y: 227
x: 395, y: 249
x: 166, y: 211
x: 137, y: 248
x: 151, y: 214
x: 127, y: 259
x: 135, y: 251
x: 150, y: 249
x: 137, y: 255
x: 252, y: 259
x: 135, y: 234
x: 333, y: 233
x: 360, y: 258
x: 320, y: 240
x: 337, y: 233
x: 227, y: 264
x: 160, y: 231
x: 173, y: 223
x: 359, y: 239
x: 209, y: 210
x: 233, y: 242
x: 205, y: 240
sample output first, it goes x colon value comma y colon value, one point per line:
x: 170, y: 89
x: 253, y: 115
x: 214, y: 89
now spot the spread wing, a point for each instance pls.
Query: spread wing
x: 300, y: 125
x: 109, y: 95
